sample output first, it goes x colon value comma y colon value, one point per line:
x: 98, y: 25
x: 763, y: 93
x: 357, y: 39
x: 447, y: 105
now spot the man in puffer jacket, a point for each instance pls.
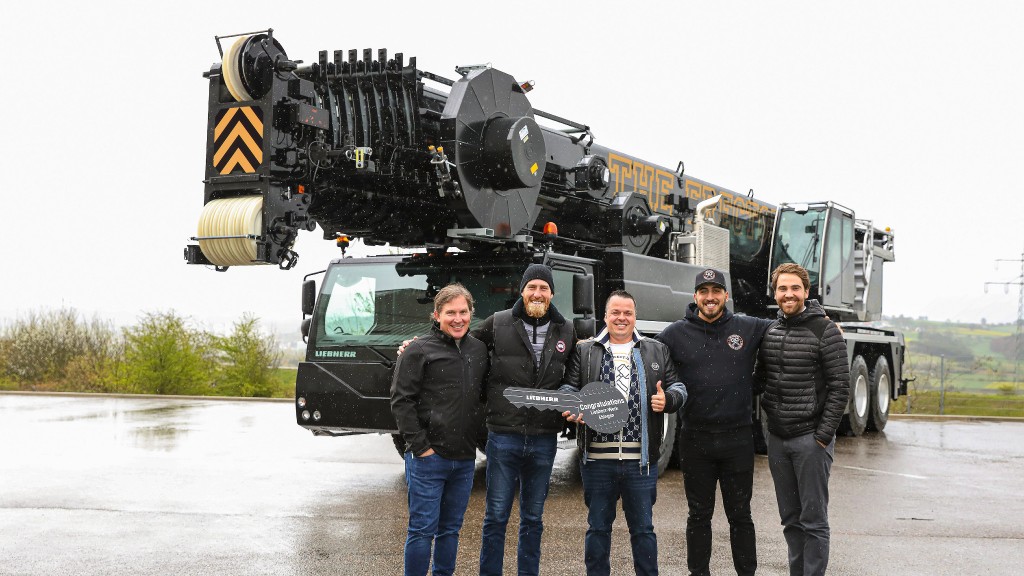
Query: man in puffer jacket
x: 806, y: 376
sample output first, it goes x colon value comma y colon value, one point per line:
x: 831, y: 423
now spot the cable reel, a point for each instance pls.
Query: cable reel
x: 249, y: 65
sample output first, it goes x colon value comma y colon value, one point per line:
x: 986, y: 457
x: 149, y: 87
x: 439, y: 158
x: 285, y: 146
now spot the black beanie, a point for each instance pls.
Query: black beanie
x: 537, y: 272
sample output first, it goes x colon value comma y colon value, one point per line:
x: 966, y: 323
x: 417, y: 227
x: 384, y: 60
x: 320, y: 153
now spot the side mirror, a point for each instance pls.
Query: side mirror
x: 308, y: 297
x: 586, y: 328
x: 305, y: 329
x: 583, y: 293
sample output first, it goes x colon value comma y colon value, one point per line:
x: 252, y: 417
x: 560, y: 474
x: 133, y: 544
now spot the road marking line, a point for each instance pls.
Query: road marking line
x: 885, y: 472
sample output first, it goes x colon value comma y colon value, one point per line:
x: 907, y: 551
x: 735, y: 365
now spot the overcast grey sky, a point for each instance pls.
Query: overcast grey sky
x: 908, y: 112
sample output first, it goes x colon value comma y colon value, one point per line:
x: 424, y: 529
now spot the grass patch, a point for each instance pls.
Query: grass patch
x: 284, y: 383
x: 961, y: 404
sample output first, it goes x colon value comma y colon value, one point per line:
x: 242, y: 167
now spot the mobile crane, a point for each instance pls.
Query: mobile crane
x: 367, y: 146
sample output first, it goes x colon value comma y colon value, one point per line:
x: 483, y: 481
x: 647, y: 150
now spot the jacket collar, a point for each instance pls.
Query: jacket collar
x: 435, y: 328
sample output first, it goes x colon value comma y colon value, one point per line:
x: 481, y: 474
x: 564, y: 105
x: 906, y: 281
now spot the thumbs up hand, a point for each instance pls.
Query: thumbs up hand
x: 658, y: 399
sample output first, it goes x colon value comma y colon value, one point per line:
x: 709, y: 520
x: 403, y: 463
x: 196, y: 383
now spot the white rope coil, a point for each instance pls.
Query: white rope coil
x: 232, y: 72
x: 231, y: 217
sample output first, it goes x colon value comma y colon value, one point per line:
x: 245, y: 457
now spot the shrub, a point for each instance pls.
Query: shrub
x: 250, y: 358
x: 163, y: 354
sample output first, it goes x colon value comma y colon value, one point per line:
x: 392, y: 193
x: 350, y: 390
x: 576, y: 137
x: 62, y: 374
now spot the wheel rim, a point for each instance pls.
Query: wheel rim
x: 860, y: 395
x: 884, y: 393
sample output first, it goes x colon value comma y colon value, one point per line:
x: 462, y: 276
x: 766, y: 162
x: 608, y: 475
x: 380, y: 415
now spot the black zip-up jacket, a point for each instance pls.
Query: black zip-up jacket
x: 806, y: 375
x: 437, y: 394
x: 512, y: 364
x: 716, y: 361
x: 585, y: 367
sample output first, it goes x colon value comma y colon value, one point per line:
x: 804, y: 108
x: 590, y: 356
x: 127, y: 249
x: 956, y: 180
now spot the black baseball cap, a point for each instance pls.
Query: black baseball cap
x: 710, y: 276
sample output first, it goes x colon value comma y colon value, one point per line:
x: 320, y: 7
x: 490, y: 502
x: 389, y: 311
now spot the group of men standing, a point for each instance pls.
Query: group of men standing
x: 444, y: 382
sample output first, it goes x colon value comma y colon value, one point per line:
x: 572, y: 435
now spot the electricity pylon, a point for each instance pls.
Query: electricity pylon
x: 1018, y: 342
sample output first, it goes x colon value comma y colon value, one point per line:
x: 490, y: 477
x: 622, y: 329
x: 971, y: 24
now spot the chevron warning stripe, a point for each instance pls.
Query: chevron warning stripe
x: 238, y: 140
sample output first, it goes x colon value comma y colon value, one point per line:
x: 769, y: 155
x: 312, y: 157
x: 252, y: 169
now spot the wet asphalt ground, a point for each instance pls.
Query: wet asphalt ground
x: 114, y: 485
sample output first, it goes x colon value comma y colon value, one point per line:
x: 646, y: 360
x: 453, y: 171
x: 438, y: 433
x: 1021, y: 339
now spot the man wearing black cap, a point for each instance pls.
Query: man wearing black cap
x: 529, y: 344
x: 714, y: 352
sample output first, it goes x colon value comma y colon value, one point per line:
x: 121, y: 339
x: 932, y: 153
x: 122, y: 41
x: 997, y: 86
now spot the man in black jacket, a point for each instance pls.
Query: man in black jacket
x: 436, y: 398
x: 529, y: 345
x: 619, y: 464
x: 804, y: 366
x: 714, y: 352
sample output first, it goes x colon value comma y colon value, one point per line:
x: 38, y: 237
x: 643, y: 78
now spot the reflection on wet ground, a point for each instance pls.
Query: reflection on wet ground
x: 113, y: 485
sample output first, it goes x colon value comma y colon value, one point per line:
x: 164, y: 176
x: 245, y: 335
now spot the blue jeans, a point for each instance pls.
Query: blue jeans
x: 800, y: 469
x: 604, y: 481
x: 516, y: 462
x: 438, y: 496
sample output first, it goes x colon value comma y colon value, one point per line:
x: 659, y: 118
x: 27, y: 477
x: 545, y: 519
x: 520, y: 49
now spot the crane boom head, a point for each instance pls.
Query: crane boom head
x: 370, y: 146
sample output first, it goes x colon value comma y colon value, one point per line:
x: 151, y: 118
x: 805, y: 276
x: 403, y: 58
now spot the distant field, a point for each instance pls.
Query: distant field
x: 977, y: 357
x: 285, y: 379
x: 962, y: 404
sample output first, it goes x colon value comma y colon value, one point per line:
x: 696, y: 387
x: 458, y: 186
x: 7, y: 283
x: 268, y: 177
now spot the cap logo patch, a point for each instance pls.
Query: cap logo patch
x: 709, y: 274
x: 735, y: 341
x: 560, y: 346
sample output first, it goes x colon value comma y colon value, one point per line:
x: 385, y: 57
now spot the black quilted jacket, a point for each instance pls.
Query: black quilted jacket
x: 806, y: 375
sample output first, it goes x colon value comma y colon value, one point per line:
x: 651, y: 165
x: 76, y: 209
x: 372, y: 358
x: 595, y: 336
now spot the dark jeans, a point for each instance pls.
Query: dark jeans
x: 800, y: 468
x: 710, y: 459
x: 516, y: 462
x: 438, y: 495
x: 604, y: 481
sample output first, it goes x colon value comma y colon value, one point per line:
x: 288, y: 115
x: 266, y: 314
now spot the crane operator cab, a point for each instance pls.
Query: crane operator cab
x: 842, y: 256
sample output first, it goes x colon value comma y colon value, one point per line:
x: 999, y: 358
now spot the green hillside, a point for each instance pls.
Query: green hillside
x: 976, y: 357
x: 960, y: 368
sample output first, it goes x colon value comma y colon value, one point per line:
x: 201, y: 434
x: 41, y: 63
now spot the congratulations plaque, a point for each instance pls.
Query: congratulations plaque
x: 603, y: 407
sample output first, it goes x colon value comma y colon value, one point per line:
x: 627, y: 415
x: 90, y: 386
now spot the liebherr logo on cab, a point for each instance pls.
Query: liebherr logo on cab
x: 334, y: 354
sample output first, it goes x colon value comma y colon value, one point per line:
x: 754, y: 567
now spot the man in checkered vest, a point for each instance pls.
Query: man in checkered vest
x: 620, y: 464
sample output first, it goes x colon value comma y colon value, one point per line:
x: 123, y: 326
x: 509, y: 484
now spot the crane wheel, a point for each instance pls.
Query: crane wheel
x: 881, y: 395
x: 859, y: 407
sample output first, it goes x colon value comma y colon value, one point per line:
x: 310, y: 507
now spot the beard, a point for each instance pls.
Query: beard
x: 713, y: 315
x: 537, y: 309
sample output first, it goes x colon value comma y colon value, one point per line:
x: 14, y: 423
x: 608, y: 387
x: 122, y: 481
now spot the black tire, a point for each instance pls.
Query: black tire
x: 859, y: 407
x: 668, y: 443
x: 881, y: 395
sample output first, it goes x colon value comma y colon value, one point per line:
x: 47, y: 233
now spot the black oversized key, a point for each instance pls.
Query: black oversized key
x: 603, y: 407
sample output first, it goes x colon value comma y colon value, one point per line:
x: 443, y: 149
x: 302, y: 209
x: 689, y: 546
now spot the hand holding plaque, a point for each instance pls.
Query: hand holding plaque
x: 604, y: 407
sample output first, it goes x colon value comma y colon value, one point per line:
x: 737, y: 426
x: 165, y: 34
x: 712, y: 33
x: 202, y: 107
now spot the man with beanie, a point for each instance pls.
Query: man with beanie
x: 529, y: 345
x: 714, y: 352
